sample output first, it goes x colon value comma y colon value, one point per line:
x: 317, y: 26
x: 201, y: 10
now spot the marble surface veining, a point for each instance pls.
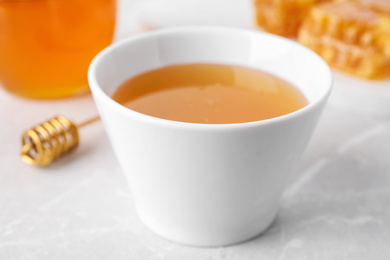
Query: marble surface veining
x: 335, y: 206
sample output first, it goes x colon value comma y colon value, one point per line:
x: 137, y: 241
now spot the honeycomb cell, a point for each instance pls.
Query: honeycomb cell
x: 282, y: 17
x: 350, y: 37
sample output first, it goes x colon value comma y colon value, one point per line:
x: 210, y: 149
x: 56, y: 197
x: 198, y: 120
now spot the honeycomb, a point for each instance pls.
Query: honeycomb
x: 282, y: 17
x: 350, y: 37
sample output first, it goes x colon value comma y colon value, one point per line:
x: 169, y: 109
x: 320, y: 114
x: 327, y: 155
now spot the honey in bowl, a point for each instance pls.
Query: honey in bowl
x: 209, y: 94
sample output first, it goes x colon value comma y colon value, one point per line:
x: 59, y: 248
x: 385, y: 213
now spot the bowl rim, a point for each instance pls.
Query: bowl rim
x: 99, y: 94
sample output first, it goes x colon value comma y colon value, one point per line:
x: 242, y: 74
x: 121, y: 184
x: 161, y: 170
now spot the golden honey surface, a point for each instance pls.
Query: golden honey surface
x: 209, y: 94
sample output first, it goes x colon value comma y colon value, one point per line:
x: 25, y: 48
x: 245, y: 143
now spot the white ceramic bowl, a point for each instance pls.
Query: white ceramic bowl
x: 205, y: 184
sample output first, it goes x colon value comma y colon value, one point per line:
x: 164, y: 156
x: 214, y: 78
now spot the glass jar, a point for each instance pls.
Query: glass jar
x: 46, y: 45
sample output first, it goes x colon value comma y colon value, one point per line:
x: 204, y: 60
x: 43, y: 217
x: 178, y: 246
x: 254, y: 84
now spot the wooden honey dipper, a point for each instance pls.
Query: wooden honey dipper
x: 48, y: 141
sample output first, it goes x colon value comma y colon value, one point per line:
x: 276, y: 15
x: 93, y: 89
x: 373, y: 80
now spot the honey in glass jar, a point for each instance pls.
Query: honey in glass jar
x: 46, y: 45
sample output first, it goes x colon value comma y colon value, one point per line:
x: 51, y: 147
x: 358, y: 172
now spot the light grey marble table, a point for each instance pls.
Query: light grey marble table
x: 336, y: 205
